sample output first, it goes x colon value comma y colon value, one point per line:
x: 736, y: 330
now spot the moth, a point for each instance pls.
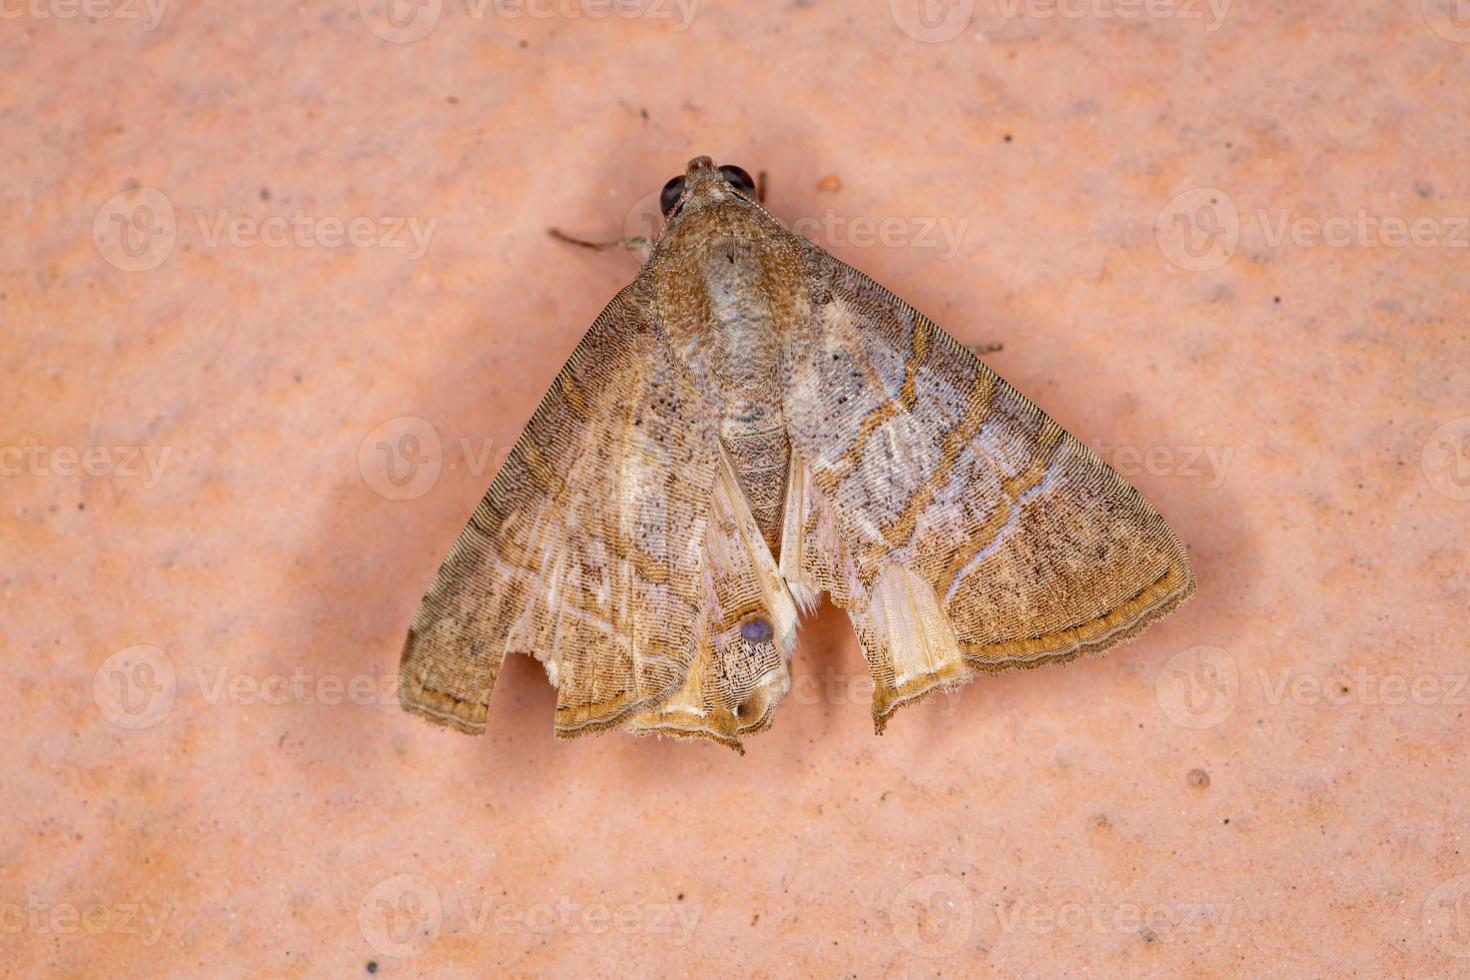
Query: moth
x: 751, y: 423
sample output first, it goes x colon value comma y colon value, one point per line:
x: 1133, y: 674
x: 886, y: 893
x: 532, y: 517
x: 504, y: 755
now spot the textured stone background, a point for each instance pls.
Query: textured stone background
x: 209, y: 566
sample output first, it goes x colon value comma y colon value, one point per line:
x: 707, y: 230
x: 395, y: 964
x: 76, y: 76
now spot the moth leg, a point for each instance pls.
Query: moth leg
x: 760, y: 187
x: 642, y: 244
x: 978, y: 349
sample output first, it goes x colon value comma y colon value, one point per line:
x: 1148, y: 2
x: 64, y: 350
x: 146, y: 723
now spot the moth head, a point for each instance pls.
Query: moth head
x: 703, y: 183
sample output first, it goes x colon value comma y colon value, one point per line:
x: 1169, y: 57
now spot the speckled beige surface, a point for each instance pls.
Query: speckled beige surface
x: 209, y: 565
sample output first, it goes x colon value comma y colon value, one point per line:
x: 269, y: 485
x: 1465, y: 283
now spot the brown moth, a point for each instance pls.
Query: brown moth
x: 751, y: 423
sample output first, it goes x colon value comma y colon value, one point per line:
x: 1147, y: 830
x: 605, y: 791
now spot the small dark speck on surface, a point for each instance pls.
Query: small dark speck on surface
x: 81, y: 506
x: 1148, y: 936
x: 524, y: 44
x: 1008, y: 138
x: 1276, y: 299
x: 643, y: 113
x: 265, y: 193
x: 1199, y: 779
x: 452, y: 99
x: 372, y: 966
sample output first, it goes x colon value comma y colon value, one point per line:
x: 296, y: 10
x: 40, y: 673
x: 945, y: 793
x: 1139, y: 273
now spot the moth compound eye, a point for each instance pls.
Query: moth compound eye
x: 669, y: 196
x: 737, y: 178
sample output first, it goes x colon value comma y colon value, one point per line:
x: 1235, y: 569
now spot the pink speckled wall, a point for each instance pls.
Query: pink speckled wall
x: 276, y: 296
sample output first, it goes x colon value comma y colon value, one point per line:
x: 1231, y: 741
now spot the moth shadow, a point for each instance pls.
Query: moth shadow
x: 344, y: 714
x: 363, y: 568
x: 830, y: 685
x: 1062, y: 696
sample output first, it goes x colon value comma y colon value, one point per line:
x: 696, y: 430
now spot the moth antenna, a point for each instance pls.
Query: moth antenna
x: 642, y: 244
